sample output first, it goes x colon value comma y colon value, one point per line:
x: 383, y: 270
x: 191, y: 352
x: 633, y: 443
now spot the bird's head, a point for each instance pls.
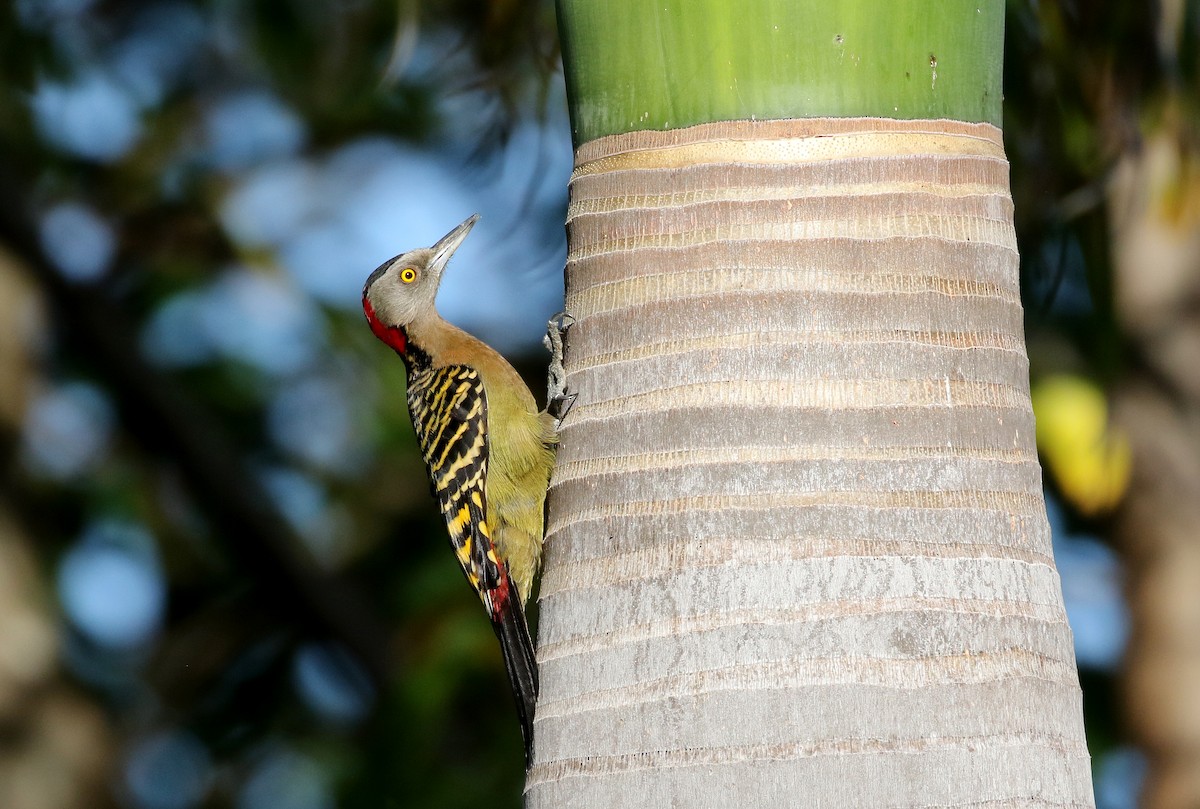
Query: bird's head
x: 402, y: 289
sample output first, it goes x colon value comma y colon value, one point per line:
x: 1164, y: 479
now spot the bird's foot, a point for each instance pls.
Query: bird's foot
x: 558, y: 401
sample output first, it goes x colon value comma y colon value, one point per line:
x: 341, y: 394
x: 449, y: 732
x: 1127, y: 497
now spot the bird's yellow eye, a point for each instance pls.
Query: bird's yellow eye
x: 408, y: 275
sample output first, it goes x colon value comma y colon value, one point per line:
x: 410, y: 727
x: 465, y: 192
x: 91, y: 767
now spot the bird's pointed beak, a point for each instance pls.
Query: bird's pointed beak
x: 444, y: 249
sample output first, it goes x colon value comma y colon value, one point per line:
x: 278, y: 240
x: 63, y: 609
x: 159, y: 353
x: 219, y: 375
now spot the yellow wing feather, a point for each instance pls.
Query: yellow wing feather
x: 449, y: 414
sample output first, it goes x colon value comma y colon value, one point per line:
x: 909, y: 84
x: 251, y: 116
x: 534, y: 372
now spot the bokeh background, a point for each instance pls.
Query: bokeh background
x: 222, y: 581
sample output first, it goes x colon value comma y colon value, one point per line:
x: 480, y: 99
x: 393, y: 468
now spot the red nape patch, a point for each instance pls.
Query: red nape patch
x: 392, y: 336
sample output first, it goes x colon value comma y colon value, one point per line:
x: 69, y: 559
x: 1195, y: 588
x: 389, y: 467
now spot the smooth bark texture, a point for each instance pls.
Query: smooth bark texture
x: 674, y: 63
x: 797, y: 552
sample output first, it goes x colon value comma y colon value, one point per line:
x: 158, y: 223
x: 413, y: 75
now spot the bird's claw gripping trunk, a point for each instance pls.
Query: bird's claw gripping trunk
x: 558, y: 401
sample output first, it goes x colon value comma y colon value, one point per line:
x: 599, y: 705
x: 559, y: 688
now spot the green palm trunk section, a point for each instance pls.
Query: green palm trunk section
x: 667, y: 64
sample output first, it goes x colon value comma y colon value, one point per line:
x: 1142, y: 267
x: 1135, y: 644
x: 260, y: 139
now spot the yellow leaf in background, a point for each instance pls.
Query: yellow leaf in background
x: 1088, y: 456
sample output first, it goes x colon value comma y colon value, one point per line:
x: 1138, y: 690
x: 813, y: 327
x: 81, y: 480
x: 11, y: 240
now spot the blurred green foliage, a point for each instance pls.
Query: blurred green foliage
x: 249, y: 659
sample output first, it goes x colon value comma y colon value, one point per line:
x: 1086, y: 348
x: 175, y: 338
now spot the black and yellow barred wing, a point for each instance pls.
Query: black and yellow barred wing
x: 449, y: 413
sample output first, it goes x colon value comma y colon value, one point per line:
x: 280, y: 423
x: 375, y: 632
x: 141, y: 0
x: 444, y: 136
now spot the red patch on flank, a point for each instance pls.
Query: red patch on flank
x: 500, y: 594
x: 392, y: 336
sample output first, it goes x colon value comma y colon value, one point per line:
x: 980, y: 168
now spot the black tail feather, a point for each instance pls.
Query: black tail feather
x: 521, y: 664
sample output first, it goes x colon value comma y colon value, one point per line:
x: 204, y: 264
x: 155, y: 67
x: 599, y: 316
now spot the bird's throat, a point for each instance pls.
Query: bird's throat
x: 394, y: 337
x: 398, y: 339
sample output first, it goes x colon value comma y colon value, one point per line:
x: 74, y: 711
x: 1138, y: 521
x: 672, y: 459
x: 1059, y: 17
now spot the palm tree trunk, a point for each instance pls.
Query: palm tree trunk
x: 797, y: 552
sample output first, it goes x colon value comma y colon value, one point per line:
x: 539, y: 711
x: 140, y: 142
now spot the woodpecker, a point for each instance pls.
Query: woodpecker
x: 487, y: 448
